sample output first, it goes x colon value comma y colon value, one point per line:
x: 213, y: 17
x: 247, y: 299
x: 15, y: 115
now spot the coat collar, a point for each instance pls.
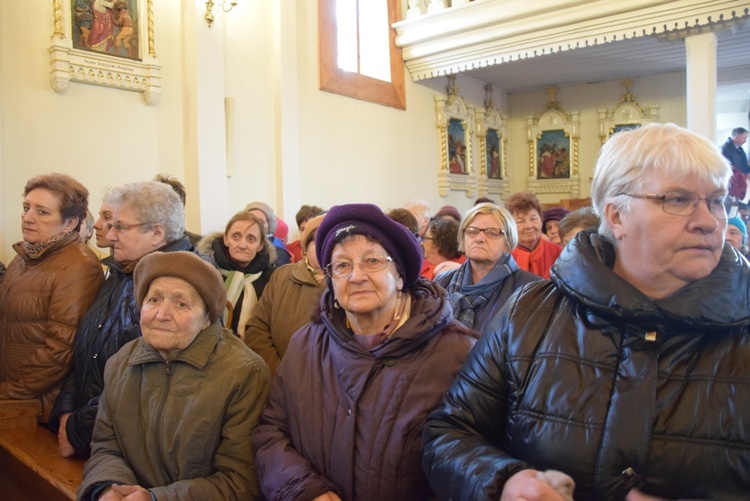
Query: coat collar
x: 584, y: 273
x: 196, y: 354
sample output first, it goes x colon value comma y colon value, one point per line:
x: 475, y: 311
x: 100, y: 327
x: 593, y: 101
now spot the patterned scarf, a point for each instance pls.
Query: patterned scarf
x: 467, y: 298
x: 36, y: 250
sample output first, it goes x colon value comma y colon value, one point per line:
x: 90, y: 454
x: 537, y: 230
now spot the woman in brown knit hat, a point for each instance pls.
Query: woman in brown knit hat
x: 287, y: 302
x: 180, y: 402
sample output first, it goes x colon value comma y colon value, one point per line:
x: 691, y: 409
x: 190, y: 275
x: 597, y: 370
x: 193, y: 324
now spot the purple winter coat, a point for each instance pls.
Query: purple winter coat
x: 344, y: 419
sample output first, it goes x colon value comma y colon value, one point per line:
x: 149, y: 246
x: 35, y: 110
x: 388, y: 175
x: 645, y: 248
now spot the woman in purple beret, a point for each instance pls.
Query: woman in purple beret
x: 347, y: 407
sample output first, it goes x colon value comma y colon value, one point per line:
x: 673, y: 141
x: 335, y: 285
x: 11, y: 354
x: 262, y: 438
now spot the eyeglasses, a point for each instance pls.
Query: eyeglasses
x: 121, y: 228
x: 684, y: 203
x: 473, y: 231
x: 369, y: 264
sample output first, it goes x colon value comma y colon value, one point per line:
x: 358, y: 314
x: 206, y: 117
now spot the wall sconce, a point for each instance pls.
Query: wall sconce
x: 226, y: 6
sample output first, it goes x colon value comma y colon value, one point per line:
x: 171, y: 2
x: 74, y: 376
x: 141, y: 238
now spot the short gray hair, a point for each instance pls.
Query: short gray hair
x: 152, y: 202
x: 501, y: 215
x: 629, y: 158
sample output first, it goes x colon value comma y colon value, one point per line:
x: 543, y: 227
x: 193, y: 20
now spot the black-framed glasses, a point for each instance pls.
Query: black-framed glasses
x: 685, y: 203
x: 473, y: 231
x: 121, y: 228
x: 371, y: 263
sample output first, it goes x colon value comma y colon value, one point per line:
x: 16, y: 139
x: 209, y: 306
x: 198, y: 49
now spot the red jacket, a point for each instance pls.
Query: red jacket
x: 538, y: 261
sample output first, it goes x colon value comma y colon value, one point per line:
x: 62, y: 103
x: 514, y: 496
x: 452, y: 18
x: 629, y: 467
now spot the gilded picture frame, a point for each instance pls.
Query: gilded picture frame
x: 628, y: 114
x: 455, y: 127
x: 105, y: 42
x: 492, y: 134
x: 553, y: 150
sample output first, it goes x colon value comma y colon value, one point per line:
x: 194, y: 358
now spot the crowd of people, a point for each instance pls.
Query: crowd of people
x: 510, y: 352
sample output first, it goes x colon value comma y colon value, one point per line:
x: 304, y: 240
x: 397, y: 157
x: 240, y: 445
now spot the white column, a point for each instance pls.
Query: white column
x: 701, y: 83
x: 203, y: 119
x: 286, y: 121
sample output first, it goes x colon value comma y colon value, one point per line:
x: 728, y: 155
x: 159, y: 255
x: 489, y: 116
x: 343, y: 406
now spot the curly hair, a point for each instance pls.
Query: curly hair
x: 523, y: 202
x: 152, y: 202
x: 445, y: 237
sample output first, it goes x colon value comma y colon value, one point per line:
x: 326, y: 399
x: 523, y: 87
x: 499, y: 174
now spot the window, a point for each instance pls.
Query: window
x: 358, y: 55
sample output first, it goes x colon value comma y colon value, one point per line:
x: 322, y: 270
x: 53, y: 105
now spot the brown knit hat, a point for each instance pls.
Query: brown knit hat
x: 187, y: 266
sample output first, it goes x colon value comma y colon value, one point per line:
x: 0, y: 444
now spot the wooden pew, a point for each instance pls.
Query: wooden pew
x: 31, y: 467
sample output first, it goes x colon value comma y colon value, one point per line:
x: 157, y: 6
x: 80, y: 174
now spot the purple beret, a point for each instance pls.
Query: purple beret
x: 553, y: 214
x: 448, y: 210
x: 368, y: 219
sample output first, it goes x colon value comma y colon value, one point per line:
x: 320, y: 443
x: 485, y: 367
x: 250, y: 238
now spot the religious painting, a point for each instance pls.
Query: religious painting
x: 456, y: 147
x: 494, y: 153
x: 553, y: 155
x: 105, y: 42
x: 455, y: 132
x: 106, y: 26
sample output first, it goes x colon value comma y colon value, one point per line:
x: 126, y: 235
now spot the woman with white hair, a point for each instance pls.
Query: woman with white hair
x: 145, y: 217
x: 628, y: 370
x: 484, y: 282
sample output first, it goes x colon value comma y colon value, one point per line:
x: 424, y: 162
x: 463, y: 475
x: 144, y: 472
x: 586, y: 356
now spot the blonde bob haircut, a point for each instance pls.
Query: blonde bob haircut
x: 501, y: 215
x: 631, y: 160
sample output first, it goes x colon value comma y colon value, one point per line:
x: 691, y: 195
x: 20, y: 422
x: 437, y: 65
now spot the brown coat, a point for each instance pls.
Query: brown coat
x: 41, y: 303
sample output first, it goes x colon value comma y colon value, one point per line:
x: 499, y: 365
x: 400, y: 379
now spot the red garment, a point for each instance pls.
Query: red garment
x: 295, y: 249
x: 428, y: 270
x: 538, y: 261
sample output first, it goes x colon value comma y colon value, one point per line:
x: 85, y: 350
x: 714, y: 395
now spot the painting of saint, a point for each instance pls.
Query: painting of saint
x: 493, y: 152
x: 553, y: 155
x: 106, y: 26
x: 456, y: 147
x: 621, y: 127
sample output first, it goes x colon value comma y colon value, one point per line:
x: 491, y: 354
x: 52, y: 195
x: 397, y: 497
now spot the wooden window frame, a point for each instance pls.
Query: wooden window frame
x: 356, y: 85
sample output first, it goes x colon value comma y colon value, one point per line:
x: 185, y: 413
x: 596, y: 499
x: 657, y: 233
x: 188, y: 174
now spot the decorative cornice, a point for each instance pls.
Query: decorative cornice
x: 488, y: 32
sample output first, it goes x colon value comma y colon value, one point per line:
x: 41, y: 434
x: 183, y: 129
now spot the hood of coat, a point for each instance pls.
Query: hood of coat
x: 584, y: 273
x: 207, y: 248
x: 430, y: 313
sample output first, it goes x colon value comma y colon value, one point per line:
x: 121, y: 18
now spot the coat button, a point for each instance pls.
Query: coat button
x: 389, y: 361
x: 629, y: 474
x: 348, y: 412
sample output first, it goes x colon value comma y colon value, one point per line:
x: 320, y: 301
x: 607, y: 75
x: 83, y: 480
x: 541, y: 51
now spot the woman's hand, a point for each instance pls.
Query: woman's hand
x: 527, y: 485
x: 125, y: 493
x: 328, y: 496
x: 66, y: 450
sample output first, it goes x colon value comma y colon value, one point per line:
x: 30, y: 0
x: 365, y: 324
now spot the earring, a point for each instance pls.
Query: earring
x: 336, y: 304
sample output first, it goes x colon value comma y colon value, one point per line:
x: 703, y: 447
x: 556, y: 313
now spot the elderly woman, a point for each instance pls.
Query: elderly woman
x: 304, y: 214
x: 440, y: 244
x: 246, y: 258
x: 534, y: 253
x: 180, y: 402
x: 551, y: 223
x: 481, y: 286
x: 288, y: 302
x: 628, y: 370
x: 268, y: 218
x: 46, y: 291
x: 143, y: 217
x: 350, y: 397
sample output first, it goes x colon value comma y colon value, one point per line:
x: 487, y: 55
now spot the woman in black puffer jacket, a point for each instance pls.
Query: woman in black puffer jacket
x: 629, y: 371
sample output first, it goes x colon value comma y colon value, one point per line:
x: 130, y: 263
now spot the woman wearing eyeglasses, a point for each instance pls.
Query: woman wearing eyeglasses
x: 628, y: 370
x: 346, y: 409
x: 46, y: 291
x: 481, y: 286
x: 146, y: 216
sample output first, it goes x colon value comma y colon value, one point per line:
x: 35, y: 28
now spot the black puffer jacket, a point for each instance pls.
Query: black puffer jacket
x: 586, y: 375
x: 109, y: 324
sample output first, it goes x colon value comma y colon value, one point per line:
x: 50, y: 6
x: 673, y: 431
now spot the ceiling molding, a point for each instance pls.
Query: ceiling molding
x: 490, y: 32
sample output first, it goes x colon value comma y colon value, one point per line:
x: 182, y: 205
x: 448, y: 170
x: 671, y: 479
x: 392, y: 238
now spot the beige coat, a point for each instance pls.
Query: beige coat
x: 287, y: 304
